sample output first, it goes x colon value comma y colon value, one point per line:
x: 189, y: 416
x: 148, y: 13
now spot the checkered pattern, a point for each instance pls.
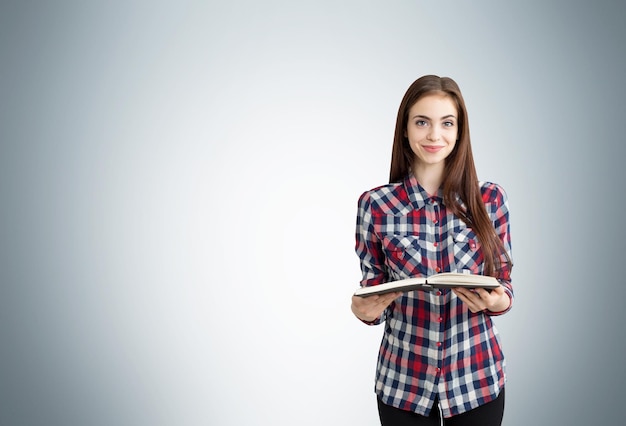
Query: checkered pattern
x: 432, y: 344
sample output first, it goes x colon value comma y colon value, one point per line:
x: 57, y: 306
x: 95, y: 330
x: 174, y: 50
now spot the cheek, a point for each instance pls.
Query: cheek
x: 452, y: 136
x: 415, y: 135
x: 414, y: 142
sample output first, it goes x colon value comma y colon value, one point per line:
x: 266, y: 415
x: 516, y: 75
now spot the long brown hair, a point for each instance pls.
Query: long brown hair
x: 460, y: 178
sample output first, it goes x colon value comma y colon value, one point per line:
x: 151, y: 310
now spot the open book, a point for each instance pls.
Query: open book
x: 443, y: 280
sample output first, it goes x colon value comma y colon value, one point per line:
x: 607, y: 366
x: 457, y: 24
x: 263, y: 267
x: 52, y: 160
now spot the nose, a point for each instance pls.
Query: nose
x: 433, y: 135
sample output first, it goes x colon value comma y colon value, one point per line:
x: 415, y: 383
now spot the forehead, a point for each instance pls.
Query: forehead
x: 439, y: 103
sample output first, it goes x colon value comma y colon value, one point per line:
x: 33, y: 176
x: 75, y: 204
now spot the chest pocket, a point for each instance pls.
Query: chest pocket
x: 468, y: 256
x: 404, y: 256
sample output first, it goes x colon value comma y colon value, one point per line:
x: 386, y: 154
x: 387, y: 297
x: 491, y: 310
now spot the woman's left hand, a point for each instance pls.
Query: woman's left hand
x: 480, y: 299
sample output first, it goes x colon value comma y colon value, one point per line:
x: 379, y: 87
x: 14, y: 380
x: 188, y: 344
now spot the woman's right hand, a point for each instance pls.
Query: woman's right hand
x: 370, y: 308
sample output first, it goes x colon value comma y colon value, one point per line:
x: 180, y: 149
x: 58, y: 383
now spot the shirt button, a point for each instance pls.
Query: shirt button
x: 438, y: 370
x: 435, y: 244
x: 438, y: 344
x: 438, y: 292
x: 438, y: 269
x: 440, y: 319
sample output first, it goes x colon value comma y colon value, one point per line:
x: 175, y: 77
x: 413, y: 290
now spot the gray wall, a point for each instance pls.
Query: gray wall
x: 178, y: 186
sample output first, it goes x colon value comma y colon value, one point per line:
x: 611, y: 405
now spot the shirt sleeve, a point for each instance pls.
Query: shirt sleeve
x: 500, y: 218
x: 369, y: 249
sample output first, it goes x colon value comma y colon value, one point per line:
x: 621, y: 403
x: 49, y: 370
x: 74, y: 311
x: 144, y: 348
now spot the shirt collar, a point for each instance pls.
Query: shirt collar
x: 418, y: 195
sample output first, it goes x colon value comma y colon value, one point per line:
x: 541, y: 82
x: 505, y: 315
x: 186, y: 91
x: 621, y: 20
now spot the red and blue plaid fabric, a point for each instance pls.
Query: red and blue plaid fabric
x: 433, y: 345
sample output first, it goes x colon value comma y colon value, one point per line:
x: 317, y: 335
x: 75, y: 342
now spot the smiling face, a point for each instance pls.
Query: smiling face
x: 432, y: 130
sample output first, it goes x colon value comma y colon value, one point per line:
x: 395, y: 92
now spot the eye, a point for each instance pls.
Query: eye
x: 421, y: 123
x: 448, y: 124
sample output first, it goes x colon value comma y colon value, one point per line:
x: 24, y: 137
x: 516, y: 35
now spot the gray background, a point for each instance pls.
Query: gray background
x: 178, y: 186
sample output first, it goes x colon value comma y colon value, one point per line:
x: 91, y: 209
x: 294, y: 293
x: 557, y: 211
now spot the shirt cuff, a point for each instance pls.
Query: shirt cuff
x: 495, y: 314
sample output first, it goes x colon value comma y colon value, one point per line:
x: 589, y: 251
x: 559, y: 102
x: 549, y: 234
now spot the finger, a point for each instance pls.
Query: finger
x: 392, y: 296
x: 482, y: 293
x: 363, y: 304
x: 378, y: 300
x: 472, y: 300
x: 383, y: 302
x: 465, y: 294
x: 386, y: 299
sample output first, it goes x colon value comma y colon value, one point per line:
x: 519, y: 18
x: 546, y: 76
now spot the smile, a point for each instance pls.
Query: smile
x: 432, y: 148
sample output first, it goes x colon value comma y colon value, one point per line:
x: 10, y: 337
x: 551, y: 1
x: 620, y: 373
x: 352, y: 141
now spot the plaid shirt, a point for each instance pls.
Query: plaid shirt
x: 433, y: 345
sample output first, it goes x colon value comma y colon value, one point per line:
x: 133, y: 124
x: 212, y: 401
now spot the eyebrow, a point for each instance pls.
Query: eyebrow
x: 428, y: 118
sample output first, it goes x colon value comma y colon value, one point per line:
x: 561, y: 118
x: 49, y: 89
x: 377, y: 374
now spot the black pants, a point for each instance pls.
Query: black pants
x: 489, y: 414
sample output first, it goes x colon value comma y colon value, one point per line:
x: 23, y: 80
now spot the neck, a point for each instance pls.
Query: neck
x: 429, y: 176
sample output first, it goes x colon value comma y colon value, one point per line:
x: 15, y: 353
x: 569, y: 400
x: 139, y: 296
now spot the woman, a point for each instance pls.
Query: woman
x: 440, y: 355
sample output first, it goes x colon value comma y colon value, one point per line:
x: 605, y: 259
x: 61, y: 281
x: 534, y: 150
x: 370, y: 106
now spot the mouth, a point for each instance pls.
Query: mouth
x: 432, y: 148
